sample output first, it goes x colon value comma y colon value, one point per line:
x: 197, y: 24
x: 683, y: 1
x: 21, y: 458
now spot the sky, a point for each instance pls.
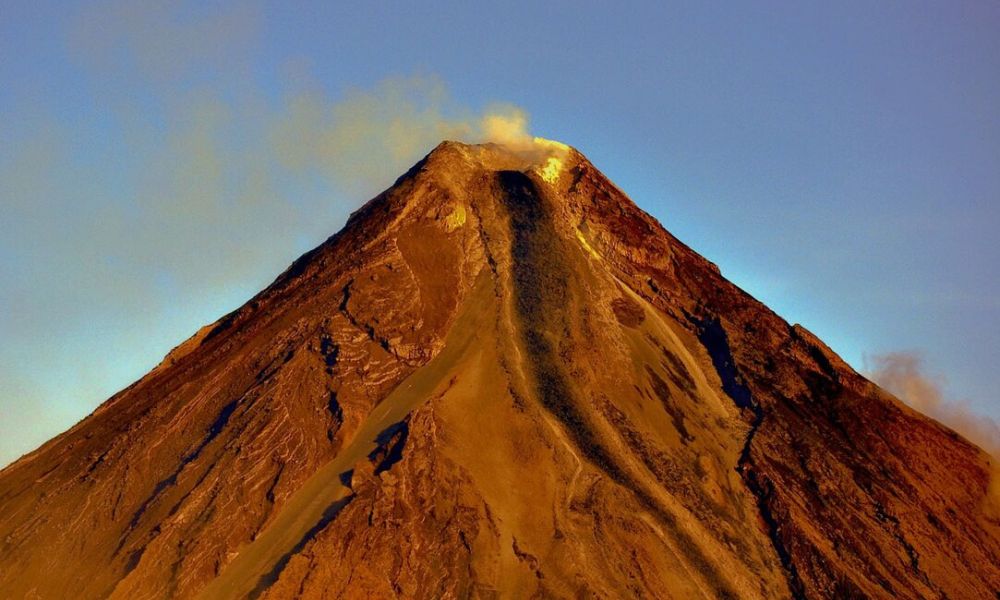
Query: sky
x: 160, y: 163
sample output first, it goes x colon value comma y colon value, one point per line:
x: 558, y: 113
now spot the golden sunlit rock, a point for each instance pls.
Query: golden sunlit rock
x: 501, y: 379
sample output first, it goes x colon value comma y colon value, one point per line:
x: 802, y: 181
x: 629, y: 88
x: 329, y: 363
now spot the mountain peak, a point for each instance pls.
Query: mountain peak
x: 547, y: 158
x: 501, y: 379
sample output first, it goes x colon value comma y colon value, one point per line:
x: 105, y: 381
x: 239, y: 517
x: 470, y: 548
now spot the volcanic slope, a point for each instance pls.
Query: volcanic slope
x: 501, y: 379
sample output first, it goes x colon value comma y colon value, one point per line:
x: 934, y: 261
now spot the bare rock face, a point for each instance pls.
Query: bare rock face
x: 501, y: 379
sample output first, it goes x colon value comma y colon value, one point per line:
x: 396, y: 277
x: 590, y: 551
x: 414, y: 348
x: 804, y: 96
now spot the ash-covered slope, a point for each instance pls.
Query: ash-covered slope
x: 502, y: 378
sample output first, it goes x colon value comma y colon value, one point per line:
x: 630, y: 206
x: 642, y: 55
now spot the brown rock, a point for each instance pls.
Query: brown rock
x: 500, y: 380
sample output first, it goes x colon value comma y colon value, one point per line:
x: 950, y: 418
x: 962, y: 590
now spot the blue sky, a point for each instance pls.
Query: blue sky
x: 840, y: 161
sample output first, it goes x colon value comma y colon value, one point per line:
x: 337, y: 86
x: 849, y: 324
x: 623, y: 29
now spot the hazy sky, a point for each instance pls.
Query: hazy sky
x: 159, y: 165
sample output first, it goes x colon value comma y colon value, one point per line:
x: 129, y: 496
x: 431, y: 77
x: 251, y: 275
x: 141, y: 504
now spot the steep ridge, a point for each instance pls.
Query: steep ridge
x: 501, y: 378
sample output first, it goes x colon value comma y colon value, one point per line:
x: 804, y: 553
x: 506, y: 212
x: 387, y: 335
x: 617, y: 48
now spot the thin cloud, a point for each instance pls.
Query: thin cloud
x: 163, y: 41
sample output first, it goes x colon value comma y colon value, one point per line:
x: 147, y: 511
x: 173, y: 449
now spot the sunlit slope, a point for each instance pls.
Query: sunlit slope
x: 325, y: 493
x: 501, y: 379
x: 561, y: 488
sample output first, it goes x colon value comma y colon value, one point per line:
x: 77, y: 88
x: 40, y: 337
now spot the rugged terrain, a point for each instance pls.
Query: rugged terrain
x: 501, y: 379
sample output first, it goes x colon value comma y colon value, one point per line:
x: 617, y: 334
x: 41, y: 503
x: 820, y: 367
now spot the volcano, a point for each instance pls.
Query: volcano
x: 501, y: 379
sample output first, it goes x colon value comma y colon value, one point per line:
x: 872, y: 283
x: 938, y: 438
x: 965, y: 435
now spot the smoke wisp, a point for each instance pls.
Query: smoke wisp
x: 193, y: 178
x: 903, y: 374
x: 371, y: 135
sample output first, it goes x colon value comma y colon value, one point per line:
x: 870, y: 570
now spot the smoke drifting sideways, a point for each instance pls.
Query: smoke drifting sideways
x: 372, y: 134
x: 903, y: 374
x: 180, y: 185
